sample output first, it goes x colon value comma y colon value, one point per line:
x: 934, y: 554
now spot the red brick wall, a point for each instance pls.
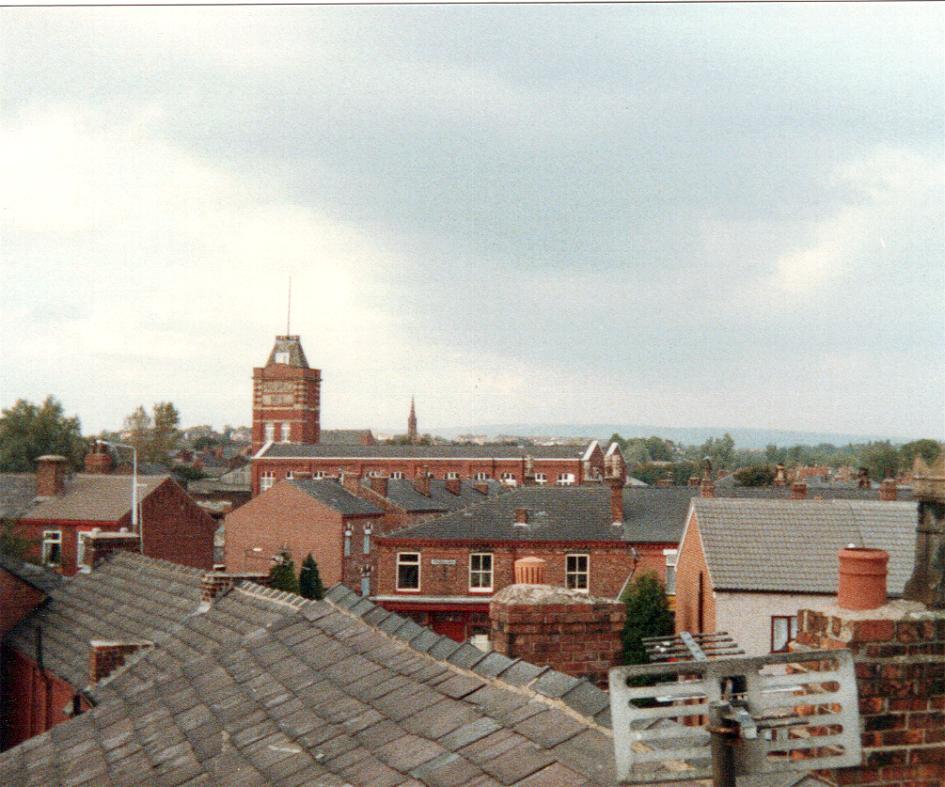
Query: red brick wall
x: 17, y: 600
x: 692, y: 582
x: 303, y: 416
x: 900, y: 669
x: 609, y: 565
x: 175, y: 527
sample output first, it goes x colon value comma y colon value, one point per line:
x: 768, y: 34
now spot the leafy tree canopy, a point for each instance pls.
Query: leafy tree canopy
x: 28, y: 431
x: 755, y: 475
x: 310, y: 581
x: 648, y: 615
x: 927, y: 449
x: 282, y: 574
x: 155, y: 435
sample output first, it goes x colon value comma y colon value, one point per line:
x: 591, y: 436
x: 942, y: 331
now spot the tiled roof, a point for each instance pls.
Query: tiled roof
x: 330, y: 692
x: 387, y: 451
x: 831, y: 491
x: 402, y: 493
x: 334, y: 495
x: 564, y: 514
x: 239, y: 479
x: 291, y: 345
x: 39, y: 577
x: 344, y: 436
x: 790, y: 546
x: 17, y: 491
x: 97, y: 498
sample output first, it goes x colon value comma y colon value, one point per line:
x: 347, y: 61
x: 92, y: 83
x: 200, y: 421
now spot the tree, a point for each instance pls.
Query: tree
x: 310, y: 581
x: 755, y: 475
x: 927, y: 449
x: 28, y: 431
x: 648, y: 615
x: 137, y: 430
x: 660, y: 450
x: 282, y: 574
x: 165, y: 436
x: 881, y: 459
x: 12, y: 542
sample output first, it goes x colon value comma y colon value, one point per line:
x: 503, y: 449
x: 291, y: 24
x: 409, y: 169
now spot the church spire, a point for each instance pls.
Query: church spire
x: 412, y: 422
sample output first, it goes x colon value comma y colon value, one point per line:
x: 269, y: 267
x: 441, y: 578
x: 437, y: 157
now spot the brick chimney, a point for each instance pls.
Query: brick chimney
x: 453, y: 486
x: 887, y: 490
x: 481, y: 487
x: 105, y: 656
x: 422, y: 482
x: 521, y: 516
x: 693, y: 480
x: 215, y: 583
x: 616, y: 500
x: 98, y: 460
x: 379, y: 484
x: 51, y: 475
x: 706, y: 487
x: 927, y: 583
x: 100, y: 544
x: 780, y: 479
x: 799, y: 490
x: 567, y: 630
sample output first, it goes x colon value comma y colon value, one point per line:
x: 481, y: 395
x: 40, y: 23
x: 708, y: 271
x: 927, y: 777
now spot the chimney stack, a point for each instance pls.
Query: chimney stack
x: 529, y: 571
x: 799, y: 490
x: 481, y: 487
x: 887, y: 490
x: 862, y: 582
x: 521, y: 516
x: 422, y: 482
x: 616, y: 501
x: 105, y: 656
x: 453, y: 486
x: 51, y: 475
x: 379, y: 484
x: 779, y: 477
x: 98, y: 460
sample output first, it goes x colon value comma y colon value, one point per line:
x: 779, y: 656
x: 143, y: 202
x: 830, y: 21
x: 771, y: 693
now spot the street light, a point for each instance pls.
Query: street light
x: 134, y: 487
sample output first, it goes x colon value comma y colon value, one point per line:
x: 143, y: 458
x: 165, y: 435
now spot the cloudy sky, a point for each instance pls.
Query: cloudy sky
x: 677, y: 215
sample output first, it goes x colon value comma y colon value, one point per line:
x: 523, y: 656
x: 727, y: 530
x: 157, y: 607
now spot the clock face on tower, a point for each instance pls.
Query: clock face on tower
x: 276, y: 393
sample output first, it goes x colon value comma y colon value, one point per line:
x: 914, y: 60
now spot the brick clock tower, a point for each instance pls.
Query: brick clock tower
x: 286, y: 396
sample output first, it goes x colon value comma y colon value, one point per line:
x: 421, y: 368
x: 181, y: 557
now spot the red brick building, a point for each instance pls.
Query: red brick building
x: 64, y: 507
x: 23, y: 586
x: 286, y: 396
x: 593, y: 539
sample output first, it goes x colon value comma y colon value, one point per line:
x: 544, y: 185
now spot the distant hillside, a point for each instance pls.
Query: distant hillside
x: 694, y: 435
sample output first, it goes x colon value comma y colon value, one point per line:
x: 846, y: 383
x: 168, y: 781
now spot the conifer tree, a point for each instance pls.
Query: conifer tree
x: 648, y: 615
x: 282, y: 574
x: 310, y: 581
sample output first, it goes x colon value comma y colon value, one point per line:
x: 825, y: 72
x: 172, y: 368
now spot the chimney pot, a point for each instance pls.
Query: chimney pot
x: 529, y: 571
x: 887, y: 490
x: 798, y: 490
x: 862, y: 575
x: 521, y: 516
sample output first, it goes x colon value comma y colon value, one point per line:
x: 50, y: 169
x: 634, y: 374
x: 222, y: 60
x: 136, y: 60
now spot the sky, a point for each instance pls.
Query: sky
x: 682, y: 215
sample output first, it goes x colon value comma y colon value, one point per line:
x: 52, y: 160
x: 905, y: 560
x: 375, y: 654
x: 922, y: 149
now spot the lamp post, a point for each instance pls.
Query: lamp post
x: 134, y: 487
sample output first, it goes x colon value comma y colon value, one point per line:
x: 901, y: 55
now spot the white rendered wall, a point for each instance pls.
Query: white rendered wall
x: 747, y: 616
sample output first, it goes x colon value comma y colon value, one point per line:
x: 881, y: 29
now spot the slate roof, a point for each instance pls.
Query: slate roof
x: 790, y: 546
x: 344, y: 436
x: 291, y: 345
x: 92, y: 497
x: 17, y: 491
x: 831, y: 491
x: 334, y: 495
x: 38, y: 577
x: 266, y: 688
x: 402, y: 493
x: 387, y: 451
x: 237, y: 480
x: 580, y: 513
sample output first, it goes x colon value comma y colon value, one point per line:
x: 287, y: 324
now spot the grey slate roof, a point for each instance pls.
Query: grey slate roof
x: 291, y: 345
x: 402, y: 493
x: 580, y: 513
x: 239, y: 479
x: 386, y: 451
x: 330, y: 692
x: 17, y: 491
x: 38, y: 577
x: 790, y: 546
x: 334, y: 495
x: 91, y: 497
x: 344, y: 436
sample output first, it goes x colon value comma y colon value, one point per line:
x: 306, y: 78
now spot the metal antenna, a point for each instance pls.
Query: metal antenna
x: 288, y: 313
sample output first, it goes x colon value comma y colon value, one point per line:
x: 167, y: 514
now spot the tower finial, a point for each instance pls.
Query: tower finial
x: 288, y: 311
x: 412, y: 435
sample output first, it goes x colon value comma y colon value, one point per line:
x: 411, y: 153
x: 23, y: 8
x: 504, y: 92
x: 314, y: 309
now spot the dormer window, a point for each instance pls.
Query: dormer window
x: 282, y: 357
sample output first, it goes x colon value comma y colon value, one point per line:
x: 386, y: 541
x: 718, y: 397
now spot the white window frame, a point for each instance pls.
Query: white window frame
x: 572, y: 575
x: 541, y: 479
x: 790, y: 624
x: 397, y: 475
x: 482, y: 476
x: 270, y: 431
x: 347, y: 545
x: 52, y: 538
x: 289, y: 475
x: 375, y: 474
x: 411, y: 562
x: 266, y: 479
x: 282, y: 357
x: 672, y: 556
x: 565, y: 479
x: 285, y: 432
x: 480, y: 573
x: 452, y: 475
x: 366, y: 542
x: 318, y: 474
x: 508, y: 479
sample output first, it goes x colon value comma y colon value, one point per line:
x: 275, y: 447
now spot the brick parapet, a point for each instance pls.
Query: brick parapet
x: 899, y: 656
x: 105, y: 656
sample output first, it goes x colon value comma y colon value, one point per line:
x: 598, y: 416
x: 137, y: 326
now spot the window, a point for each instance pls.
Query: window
x: 366, y: 546
x: 480, y: 571
x: 365, y: 585
x: 541, y: 479
x: 318, y: 474
x: 270, y: 431
x: 451, y: 476
x: 282, y: 357
x: 671, y: 556
x: 266, y: 479
x: 576, y: 572
x: 783, y: 631
x: 508, y: 479
x: 397, y: 474
x: 480, y: 476
x: 376, y: 474
x: 347, y: 543
x: 52, y: 547
x: 284, y: 433
x: 565, y: 479
x: 408, y: 571
x: 289, y: 475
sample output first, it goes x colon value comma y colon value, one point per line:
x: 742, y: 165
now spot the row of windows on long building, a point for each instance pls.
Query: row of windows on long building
x: 268, y: 477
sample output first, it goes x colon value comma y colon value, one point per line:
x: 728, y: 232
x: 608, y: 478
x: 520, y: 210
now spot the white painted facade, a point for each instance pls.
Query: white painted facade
x: 747, y: 616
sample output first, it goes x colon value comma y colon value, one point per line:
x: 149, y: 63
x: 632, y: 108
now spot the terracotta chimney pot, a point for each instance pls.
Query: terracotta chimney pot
x: 529, y: 571
x: 862, y: 582
x: 799, y: 490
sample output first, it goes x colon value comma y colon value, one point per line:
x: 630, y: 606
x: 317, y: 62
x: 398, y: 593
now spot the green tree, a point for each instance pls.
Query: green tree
x: 137, y: 430
x: 165, y: 435
x: 28, y: 431
x: 12, y: 542
x: 282, y: 574
x: 648, y: 615
x: 881, y: 459
x: 927, y: 449
x: 659, y: 450
x: 721, y: 450
x: 186, y: 473
x: 755, y: 475
x: 310, y: 581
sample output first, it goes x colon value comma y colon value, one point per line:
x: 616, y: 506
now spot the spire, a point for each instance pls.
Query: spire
x: 412, y: 422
